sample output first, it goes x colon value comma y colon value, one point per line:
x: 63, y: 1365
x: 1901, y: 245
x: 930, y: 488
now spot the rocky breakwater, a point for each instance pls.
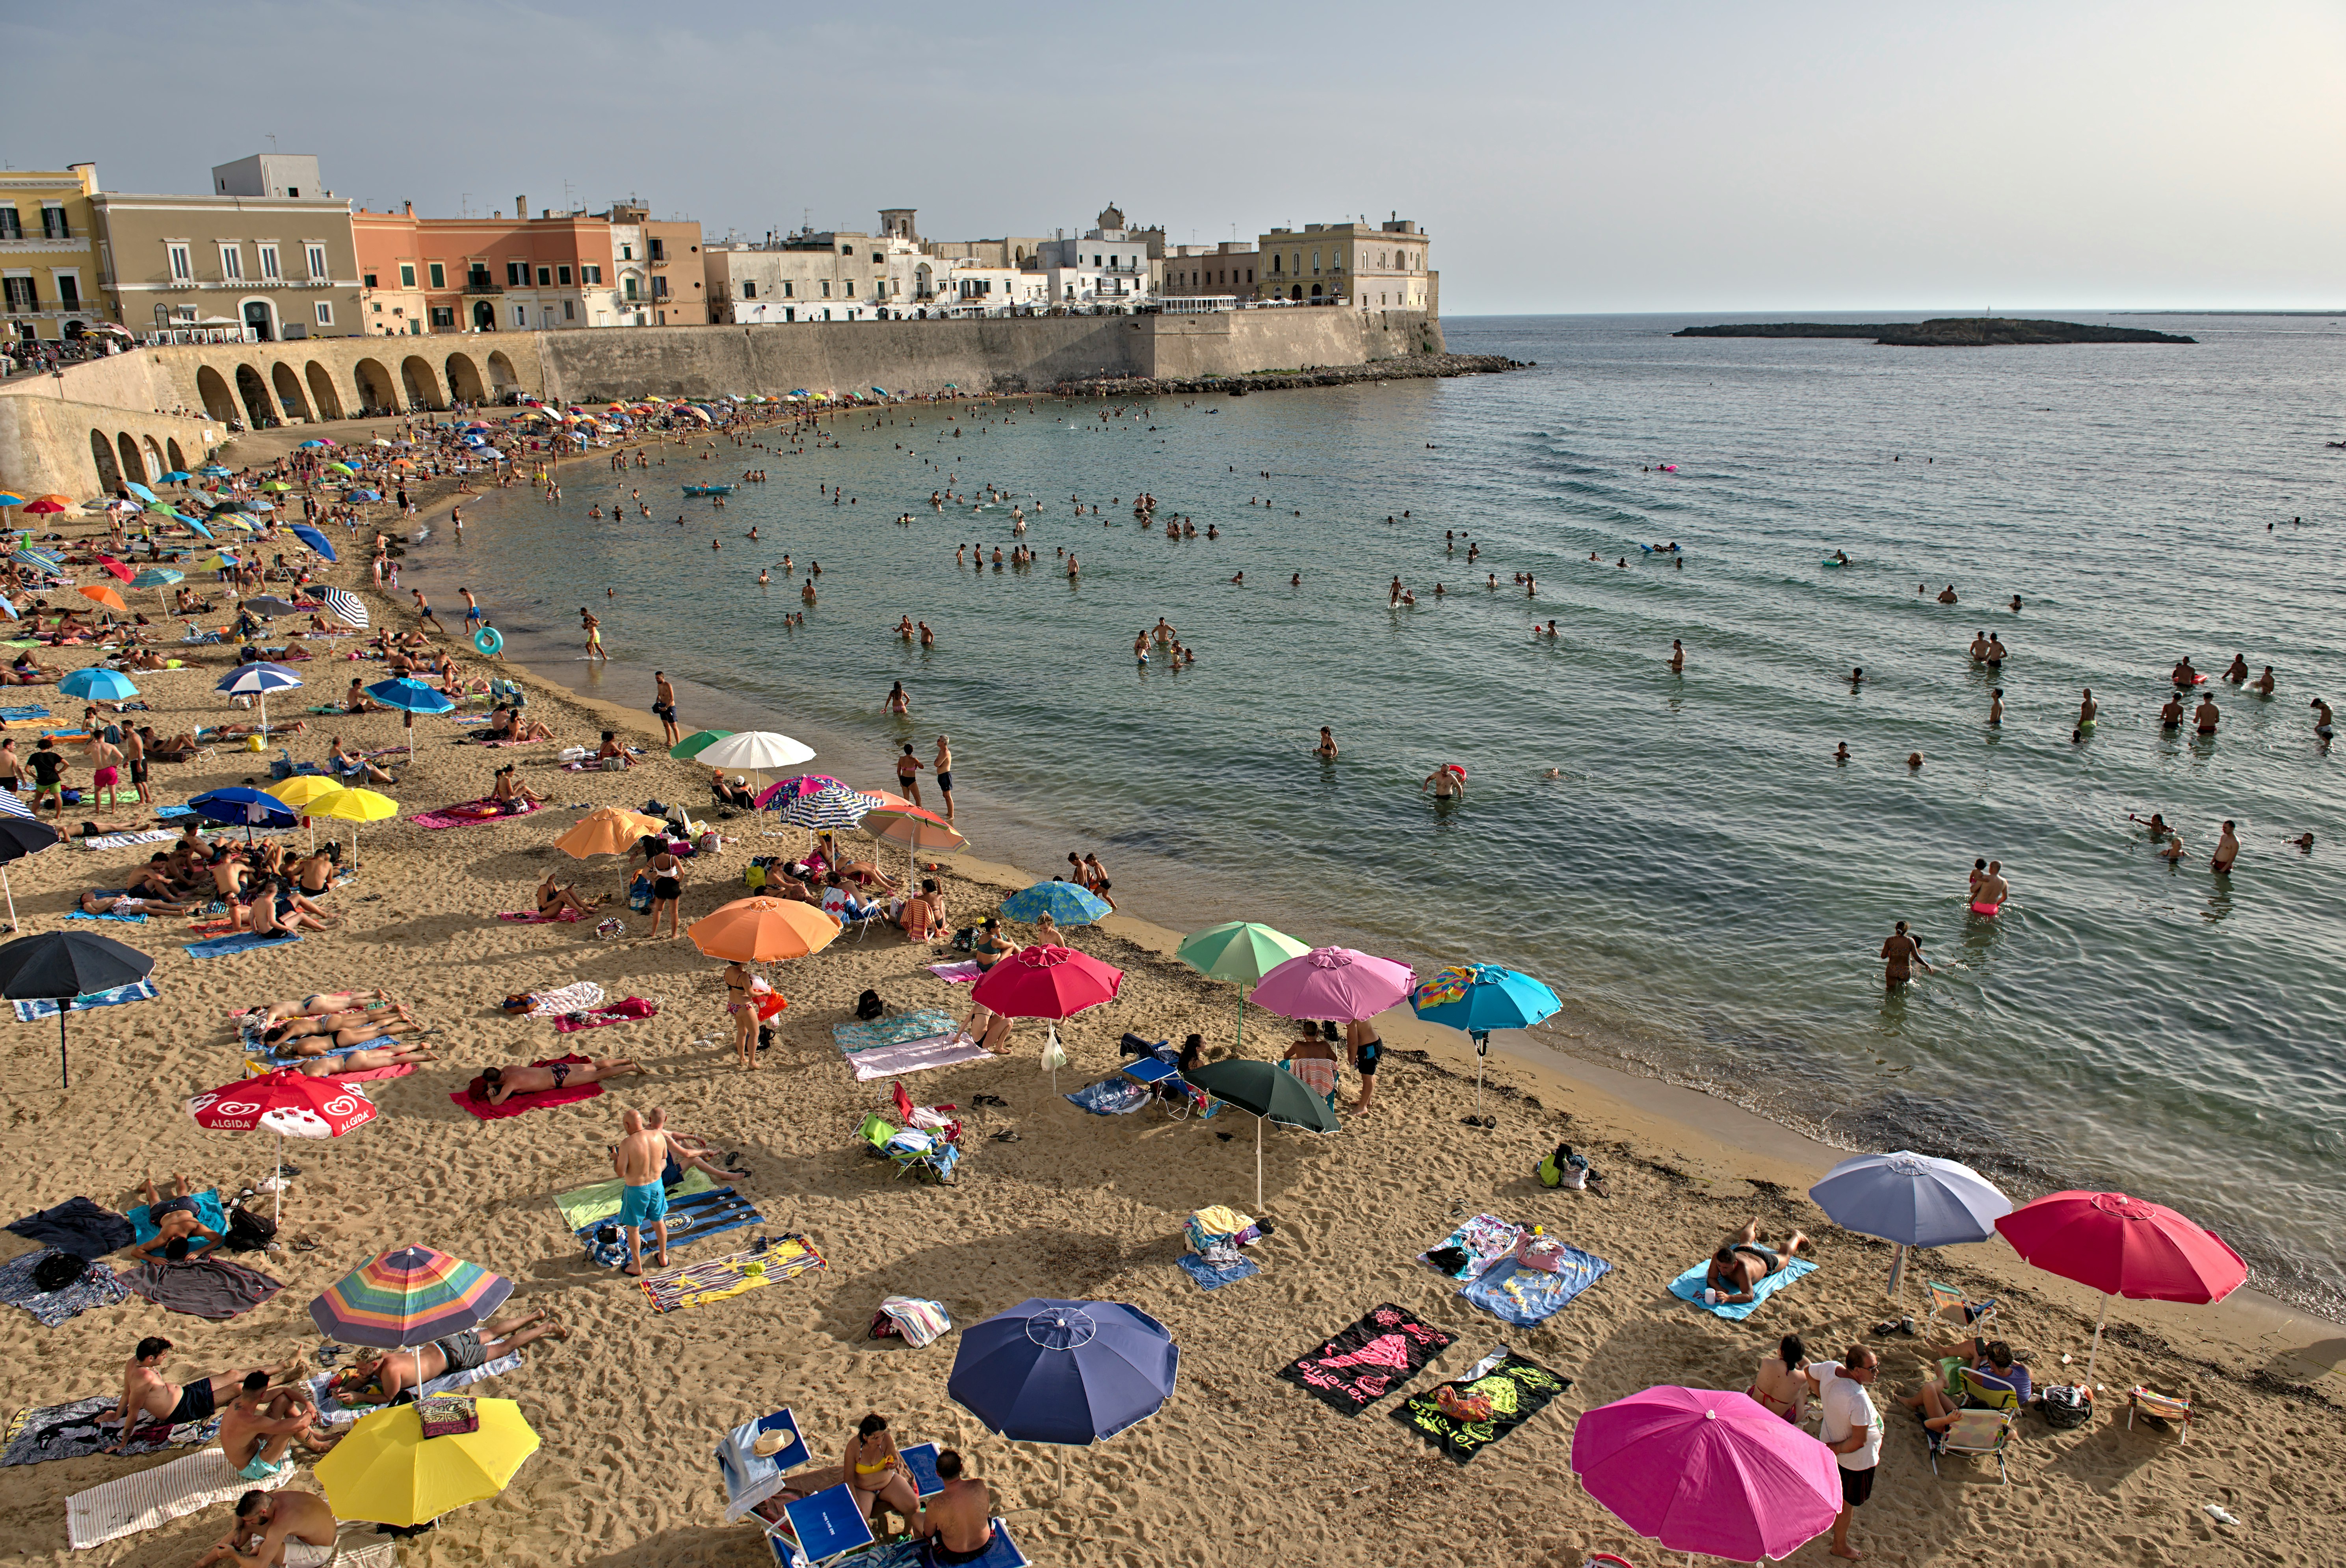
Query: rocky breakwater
x: 1415, y: 366
x: 1944, y: 332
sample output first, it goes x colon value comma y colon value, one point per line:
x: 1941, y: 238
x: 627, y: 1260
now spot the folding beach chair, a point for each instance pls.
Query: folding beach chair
x: 2159, y: 1406
x: 1158, y: 1067
x: 828, y: 1525
x: 1951, y: 1305
x: 1975, y: 1434
x: 928, y: 1156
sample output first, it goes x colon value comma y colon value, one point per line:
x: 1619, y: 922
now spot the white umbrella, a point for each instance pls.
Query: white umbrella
x: 756, y: 751
x: 258, y: 680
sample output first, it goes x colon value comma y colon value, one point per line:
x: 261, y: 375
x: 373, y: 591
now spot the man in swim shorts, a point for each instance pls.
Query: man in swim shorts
x: 147, y: 1396
x: 2323, y: 725
x: 2227, y: 850
x: 2170, y: 713
x: 664, y: 706
x: 2206, y: 716
x: 643, y: 1202
x: 175, y: 1222
x: 268, y: 1523
x: 1740, y: 1263
x: 1987, y: 897
x: 958, y: 1523
x: 260, y: 1427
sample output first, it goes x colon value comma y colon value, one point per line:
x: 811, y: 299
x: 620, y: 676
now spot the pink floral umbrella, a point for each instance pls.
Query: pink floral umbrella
x: 1335, y: 983
x: 1700, y: 1470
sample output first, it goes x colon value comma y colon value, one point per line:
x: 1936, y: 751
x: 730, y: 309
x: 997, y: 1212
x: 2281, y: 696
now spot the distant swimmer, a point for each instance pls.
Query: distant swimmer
x: 2184, y: 675
x: 2155, y: 823
x: 1491, y: 581
x: 1555, y: 773
x: 2238, y: 672
x: 806, y: 592
x: 2170, y: 713
x: 1140, y: 647
x: 2304, y: 842
x: 1840, y: 557
x: 1996, y: 706
x: 1238, y: 579
x: 1447, y: 782
x: 2323, y: 725
x: 2016, y: 604
x: 1840, y: 752
x: 1988, y: 897
x: 2263, y: 684
x: 1947, y: 595
x: 1296, y: 581
x: 1544, y: 631
x: 762, y: 577
x: 1914, y: 760
x: 1899, y: 955
x: 2206, y: 716
x: 1979, y: 874
x: 1856, y: 677
x: 1678, y: 656
x: 1979, y: 649
x: 2088, y: 710
x: 2227, y: 850
x: 1326, y: 749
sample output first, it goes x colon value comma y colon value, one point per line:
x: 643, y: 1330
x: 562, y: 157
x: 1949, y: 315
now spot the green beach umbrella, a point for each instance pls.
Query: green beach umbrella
x: 693, y: 745
x: 1269, y: 1093
x: 277, y: 484
x: 1239, y: 951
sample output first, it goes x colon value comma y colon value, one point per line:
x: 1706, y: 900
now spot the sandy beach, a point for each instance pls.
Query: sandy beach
x: 1239, y: 1466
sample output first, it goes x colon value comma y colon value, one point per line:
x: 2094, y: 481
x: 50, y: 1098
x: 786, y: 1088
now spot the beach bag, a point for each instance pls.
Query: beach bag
x: 1564, y: 1168
x: 754, y: 878
x: 965, y: 938
x: 707, y: 844
x: 57, y: 1270
x: 868, y: 1006
x: 517, y: 1002
x: 2067, y: 1408
x: 448, y: 1415
x: 248, y: 1231
x: 1536, y: 1250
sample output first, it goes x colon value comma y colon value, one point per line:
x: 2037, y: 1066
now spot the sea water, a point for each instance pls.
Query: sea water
x: 1702, y: 882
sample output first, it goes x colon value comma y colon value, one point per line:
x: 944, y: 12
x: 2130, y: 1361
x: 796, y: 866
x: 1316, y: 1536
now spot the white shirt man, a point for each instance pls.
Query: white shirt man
x: 1852, y: 1429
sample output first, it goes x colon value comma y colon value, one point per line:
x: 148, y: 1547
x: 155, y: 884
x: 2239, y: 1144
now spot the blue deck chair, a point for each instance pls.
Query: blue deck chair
x: 828, y: 1525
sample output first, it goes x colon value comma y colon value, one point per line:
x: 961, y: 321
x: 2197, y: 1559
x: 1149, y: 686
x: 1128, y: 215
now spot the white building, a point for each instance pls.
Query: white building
x: 1108, y: 266
x: 826, y: 275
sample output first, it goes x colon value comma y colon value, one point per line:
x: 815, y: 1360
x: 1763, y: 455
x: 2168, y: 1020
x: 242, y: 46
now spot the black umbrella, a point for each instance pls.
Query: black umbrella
x: 20, y: 836
x: 59, y: 965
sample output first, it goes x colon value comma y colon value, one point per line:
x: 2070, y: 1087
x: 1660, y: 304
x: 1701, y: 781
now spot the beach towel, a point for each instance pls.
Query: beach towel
x: 592, y: 1205
x: 530, y: 917
x: 1517, y: 1387
x: 916, y: 1056
x: 202, y: 1287
x: 690, y: 1219
x: 79, y: 1226
x: 1478, y: 1243
x: 1114, y: 1097
x: 537, y: 1101
x: 896, y: 1031
x: 254, y: 1066
x: 962, y: 973
x: 720, y: 1278
x: 1316, y: 1074
x: 95, y: 1288
x: 627, y: 1010
x: 1689, y: 1287
x: 1515, y: 1294
x: 1368, y: 1361
x: 1213, y: 1277
x: 919, y: 1321
x: 243, y: 942
x: 70, y: 1430
x: 471, y: 814
x: 136, y: 990
x: 210, y: 1211
x: 573, y: 998
x: 124, y: 840
x: 153, y: 1498
x: 335, y: 1413
x: 107, y: 914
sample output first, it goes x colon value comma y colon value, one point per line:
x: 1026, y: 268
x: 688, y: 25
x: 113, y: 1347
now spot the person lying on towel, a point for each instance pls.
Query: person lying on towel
x: 378, y: 1376
x: 1740, y: 1263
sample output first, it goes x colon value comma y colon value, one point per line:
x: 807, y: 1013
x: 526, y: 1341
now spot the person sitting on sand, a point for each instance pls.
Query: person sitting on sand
x: 876, y: 1473
x: 612, y: 751
x: 1314, y: 1061
x: 499, y: 1085
x: 356, y: 700
x: 353, y: 765
x: 259, y: 1428
x: 685, y: 1152
x: 863, y: 872
x: 313, y: 874
x: 958, y: 1522
x: 844, y: 906
x: 508, y: 724
x: 1741, y: 1262
x: 175, y: 1222
x: 924, y: 914
x: 553, y: 898
x: 131, y: 904
x: 735, y: 792
x: 1778, y: 1384
x: 368, y: 1060
x: 511, y: 793
x: 149, y: 1397
x: 267, y: 1522
x: 278, y: 908
x: 378, y: 1376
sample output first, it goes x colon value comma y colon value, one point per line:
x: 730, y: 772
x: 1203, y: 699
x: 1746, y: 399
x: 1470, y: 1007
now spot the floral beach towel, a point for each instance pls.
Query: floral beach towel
x: 1368, y: 1361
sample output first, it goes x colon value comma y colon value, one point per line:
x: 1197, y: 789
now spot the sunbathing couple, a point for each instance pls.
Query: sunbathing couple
x: 259, y: 1425
x: 956, y: 1523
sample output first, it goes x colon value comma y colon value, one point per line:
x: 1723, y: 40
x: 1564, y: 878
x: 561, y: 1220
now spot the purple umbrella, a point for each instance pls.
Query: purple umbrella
x: 1335, y: 983
x: 1699, y: 1470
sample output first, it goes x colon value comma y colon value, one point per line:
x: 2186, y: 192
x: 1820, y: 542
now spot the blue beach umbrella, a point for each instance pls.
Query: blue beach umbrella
x: 259, y: 678
x: 199, y: 527
x: 238, y: 805
x: 1068, y: 903
x: 831, y: 809
x: 314, y: 539
x: 1069, y: 1373
x: 98, y: 684
x: 176, y: 476
x: 216, y: 470
x: 1911, y: 1200
x: 1479, y: 998
x: 313, y: 443
x: 158, y: 577
x: 138, y: 490
x: 411, y: 698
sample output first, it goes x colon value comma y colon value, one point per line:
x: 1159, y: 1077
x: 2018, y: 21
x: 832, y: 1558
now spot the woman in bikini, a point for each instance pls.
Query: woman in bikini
x: 499, y: 1085
x: 553, y: 898
x: 876, y: 1473
x: 319, y: 1036
x: 668, y: 891
x: 367, y: 1061
x: 744, y: 1012
x: 1778, y: 1384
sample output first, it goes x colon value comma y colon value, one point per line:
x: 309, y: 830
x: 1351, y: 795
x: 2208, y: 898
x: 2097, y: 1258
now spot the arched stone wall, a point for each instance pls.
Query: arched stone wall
x: 253, y: 393
x: 464, y: 379
x: 211, y: 389
x: 289, y: 390
x: 377, y: 391
x: 325, y: 402
x: 502, y: 379
x: 178, y: 455
x: 101, y: 454
x: 423, y: 383
x: 133, y: 465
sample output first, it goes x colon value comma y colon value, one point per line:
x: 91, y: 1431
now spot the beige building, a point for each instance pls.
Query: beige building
x: 1368, y: 268
x: 279, y: 267
x: 1209, y: 271
x: 828, y: 275
x: 48, y: 252
x: 679, y: 273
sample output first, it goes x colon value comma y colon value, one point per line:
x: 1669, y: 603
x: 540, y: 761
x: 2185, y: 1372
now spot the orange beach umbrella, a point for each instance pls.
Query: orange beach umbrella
x: 762, y: 929
x: 105, y: 595
x: 611, y: 830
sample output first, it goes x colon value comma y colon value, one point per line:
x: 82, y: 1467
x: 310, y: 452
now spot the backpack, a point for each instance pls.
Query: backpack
x: 248, y: 1231
x: 868, y: 1006
x: 1564, y: 1168
x: 57, y: 1270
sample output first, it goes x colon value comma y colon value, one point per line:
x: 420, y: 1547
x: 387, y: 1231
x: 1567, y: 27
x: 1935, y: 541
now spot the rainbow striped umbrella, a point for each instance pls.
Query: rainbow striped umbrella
x: 408, y: 1296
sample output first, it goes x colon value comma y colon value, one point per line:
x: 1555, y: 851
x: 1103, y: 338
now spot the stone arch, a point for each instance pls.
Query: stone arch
x: 211, y: 389
x: 254, y: 394
x: 485, y: 316
x: 464, y: 379
x: 179, y: 458
x: 1315, y: 290
x: 101, y: 454
x: 155, y: 463
x: 324, y: 400
x: 288, y: 392
x: 423, y: 385
x: 502, y: 379
x: 1296, y: 292
x: 376, y: 390
x: 133, y: 465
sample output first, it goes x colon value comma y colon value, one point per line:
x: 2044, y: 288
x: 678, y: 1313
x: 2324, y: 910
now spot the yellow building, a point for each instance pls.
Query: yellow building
x: 1384, y: 267
x: 48, y: 252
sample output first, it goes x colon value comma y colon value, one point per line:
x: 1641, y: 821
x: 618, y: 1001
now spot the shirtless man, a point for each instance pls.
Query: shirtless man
x: 959, y: 1521
x: 2324, y: 725
x: 149, y: 1396
x: 1996, y: 707
x: 1992, y: 889
x: 664, y: 706
x: 175, y: 1222
x: 1899, y: 954
x: 2206, y: 716
x: 1979, y: 648
x: 1740, y: 1263
x: 1947, y: 595
x: 643, y: 1202
x: 266, y: 1523
x: 260, y: 1427
x: 1995, y: 653
x: 2227, y: 850
x: 132, y: 904
x: 1448, y: 782
x: 2087, y: 709
x: 2170, y: 713
x: 377, y: 1377
x: 1678, y: 656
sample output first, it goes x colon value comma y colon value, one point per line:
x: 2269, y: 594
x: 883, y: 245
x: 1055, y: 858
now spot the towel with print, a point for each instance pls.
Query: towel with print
x: 1368, y: 1361
x: 1517, y: 1387
x: 1516, y: 1293
x: 96, y: 1286
x: 1473, y: 1246
x: 71, y: 1431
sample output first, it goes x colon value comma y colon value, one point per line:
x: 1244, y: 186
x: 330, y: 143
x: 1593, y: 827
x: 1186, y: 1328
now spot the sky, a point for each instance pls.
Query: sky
x: 1565, y: 157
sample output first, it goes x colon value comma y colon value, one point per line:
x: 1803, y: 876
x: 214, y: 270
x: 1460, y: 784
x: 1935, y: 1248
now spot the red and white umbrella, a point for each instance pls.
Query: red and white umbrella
x: 288, y: 1103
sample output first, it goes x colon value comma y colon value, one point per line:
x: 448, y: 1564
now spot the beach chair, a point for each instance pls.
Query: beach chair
x: 1306, y: 1074
x: 1951, y: 1305
x: 928, y: 1156
x: 2159, y: 1406
x: 1181, y: 1097
x: 1975, y: 1434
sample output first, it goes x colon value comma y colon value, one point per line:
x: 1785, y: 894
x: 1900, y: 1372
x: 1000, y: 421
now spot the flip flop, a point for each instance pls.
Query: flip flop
x: 1008, y: 1135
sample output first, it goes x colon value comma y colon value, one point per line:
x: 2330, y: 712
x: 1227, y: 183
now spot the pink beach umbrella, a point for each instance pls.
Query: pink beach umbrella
x: 2123, y: 1246
x: 1700, y: 1470
x: 1335, y: 983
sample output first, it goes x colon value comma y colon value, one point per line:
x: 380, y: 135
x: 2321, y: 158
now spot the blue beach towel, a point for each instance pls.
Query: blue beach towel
x: 1538, y: 1295
x: 854, y: 1037
x: 210, y: 1211
x: 167, y: 812
x: 273, y: 1061
x: 1687, y: 1288
x: 242, y: 942
x: 1114, y: 1097
x: 138, y: 990
x: 1209, y: 1277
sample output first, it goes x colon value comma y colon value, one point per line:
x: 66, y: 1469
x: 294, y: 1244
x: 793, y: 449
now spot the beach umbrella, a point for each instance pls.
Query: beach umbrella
x: 1699, y: 1470
x: 1479, y: 998
x: 116, y: 570
x: 98, y: 684
x: 289, y: 1103
x: 176, y: 476
x: 21, y: 834
x: 693, y: 745
x: 341, y: 468
x: 159, y: 578
x: 1239, y: 951
x: 354, y: 806
x: 409, y: 1295
x: 764, y: 930
x: 1052, y: 982
x: 800, y: 784
x: 138, y: 490
x: 1067, y: 903
x: 755, y: 751
x: 833, y: 808
x: 198, y: 527
x: 606, y: 830
x: 60, y: 966
x: 1268, y: 1093
x: 258, y: 679
x: 386, y: 1470
x: 411, y: 697
x: 10, y: 498
x: 268, y: 606
x: 1910, y: 1200
x: 303, y: 788
x: 311, y: 443
x: 914, y: 829
x: 47, y: 504
x: 2119, y: 1246
x: 103, y: 594
x: 1067, y: 1373
x: 1334, y: 983
x: 314, y: 539
x: 239, y: 804
x: 347, y: 606
x: 216, y: 470
x: 276, y: 484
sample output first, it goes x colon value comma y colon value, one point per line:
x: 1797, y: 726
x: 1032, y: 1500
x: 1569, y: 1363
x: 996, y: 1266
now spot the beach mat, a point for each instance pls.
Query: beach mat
x: 202, y: 1287
x: 124, y: 840
x: 627, y: 1010
x: 80, y: 1226
x: 1513, y: 1294
x: 1687, y: 1288
x: 243, y: 942
x: 209, y: 1212
x: 447, y: 816
x: 965, y: 973
x: 894, y: 1059
x: 592, y: 1205
x: 1519, y: 1388
x: 96, y: 1287
x: 136, y: 990
x: 1481, y: 1241
x: 690, y: 1219
x: 539, y: 1101
x: 70, y: 1430
x: 256, y: 1066
x: 1209, y: 1277
x: 576, y: 997
x: 335, y: 1413
x: 107, y: 914
x: 153, y: 1498
x: 720, y: 1279
x: 897, y: 1031
x: 1367, y: 1360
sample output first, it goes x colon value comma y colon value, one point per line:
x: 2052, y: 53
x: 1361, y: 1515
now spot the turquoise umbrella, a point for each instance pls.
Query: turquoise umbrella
x: 1479, y: 998
x: 1240, y: 952
x: 1068, y: 903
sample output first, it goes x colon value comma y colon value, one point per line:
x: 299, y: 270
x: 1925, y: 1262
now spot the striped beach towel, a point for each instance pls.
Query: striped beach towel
x: 720, y: 1279
x: 153, y: 1498
x: 138, y: 990
x: 124, y: 840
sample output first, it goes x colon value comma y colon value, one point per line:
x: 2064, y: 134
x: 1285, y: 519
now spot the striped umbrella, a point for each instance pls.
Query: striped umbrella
x: 347, y: 606
x: 411, y: 1296
x: 784, y: 790
x: 834, y: 807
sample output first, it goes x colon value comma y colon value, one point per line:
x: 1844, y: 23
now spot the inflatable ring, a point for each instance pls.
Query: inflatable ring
x: 489, y: 640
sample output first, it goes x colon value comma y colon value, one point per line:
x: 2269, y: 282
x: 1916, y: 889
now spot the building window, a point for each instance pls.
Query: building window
x: 787, y: 290
x: 878, y: 260
x: 269, y: 268
x: 231, y: 263
x: 659, y: 250
x: 476, y: 277
x: 407, y: 274
x: 12, y: 224
x: 521, y: 315
x: 516, y: 274
x: 378, y: 307
x: 750, y: 290
x: 628, y: 287
x: 318, y: 263
x: 570, y: 310
x: 659, y: 288
x: 826, y: 288
x: 545, y: 277
x: 326, y: 313
x: 628, y: 253
x: 22, y: 300
x: 443, y: 316
x: 68, y: 292
x: 369, y: 283
x: 590, y: 274
x: 562, y: 276
x: 293, y: 192
x: 439, y: 276
x: 53, y: 224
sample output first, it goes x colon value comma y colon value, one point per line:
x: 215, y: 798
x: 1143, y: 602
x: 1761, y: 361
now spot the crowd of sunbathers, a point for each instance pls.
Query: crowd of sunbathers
x: 318, y: 1031
x: 262, y: 887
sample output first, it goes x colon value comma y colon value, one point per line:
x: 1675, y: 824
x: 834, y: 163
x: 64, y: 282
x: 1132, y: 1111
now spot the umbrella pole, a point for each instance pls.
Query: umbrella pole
x: 1258, y: 1165
x: 2094, y: 1354
x: 1241, y: 1017
x: 1897, y: 1269
x: 277, y: 1191
x: 264, y: 716
x: 65, y: 1068
x: 12, y: 898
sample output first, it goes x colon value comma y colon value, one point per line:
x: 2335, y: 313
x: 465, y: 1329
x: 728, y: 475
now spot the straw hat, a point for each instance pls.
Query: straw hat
x: 768, y: 1444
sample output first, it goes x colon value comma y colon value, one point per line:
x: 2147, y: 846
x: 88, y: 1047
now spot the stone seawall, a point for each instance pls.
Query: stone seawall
x: 1287, y: 381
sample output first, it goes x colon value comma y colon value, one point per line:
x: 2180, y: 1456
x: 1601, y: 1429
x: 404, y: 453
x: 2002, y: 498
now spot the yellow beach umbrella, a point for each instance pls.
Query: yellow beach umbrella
x: 354, y: 806
x: 300, y: 791
x: 387, y: 1470
x: 611, y: 830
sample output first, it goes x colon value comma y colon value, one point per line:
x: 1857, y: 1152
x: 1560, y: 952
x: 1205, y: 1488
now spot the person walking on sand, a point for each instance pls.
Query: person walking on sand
x: 593, y: 629
x: 643, y: 1202
x: 668, y: 891
x: 664, y: 708
x: 945, y: 773
x: 1899, y: 954
x: 1852, y: 1429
